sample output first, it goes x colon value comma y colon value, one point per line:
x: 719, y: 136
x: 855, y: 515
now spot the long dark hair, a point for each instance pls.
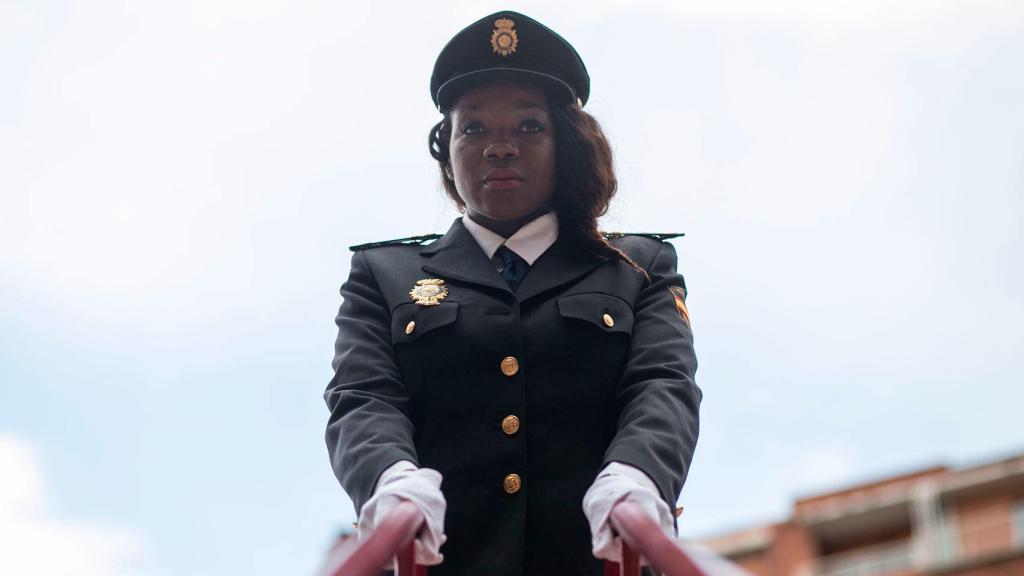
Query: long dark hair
x: 585, y: 178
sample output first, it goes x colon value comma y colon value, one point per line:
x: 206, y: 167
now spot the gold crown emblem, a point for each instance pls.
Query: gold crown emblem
x: 504, y: 39
x: 429, y: 292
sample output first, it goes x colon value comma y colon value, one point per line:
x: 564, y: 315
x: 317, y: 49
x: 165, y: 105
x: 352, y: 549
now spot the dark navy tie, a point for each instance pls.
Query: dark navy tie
x: 514, y: 268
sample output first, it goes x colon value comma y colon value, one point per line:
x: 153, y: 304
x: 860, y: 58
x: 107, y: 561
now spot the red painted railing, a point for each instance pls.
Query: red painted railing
x: 393, y: 539
x: 642, y: 538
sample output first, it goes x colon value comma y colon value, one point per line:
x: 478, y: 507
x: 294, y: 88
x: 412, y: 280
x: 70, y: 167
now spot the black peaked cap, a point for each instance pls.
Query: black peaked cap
x: 508, y: 46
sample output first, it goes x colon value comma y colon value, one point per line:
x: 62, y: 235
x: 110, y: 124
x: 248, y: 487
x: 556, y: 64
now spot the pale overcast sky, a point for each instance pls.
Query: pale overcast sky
x: 179, y: 182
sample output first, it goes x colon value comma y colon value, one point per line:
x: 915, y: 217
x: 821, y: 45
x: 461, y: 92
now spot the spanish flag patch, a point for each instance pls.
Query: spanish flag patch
x: 679, y: 295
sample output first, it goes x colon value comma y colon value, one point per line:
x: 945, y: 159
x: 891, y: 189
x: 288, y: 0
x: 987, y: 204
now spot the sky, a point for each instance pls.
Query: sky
x: 179, y: 183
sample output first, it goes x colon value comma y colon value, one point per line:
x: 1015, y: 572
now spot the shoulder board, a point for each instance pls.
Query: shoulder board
x: 654, y: 235
x: 399, y: 241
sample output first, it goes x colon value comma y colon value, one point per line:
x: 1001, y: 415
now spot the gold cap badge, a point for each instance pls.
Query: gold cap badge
x: 504, y: 39
x: 429, y: 292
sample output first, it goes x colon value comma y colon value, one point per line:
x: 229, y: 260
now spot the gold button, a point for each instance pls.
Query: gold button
x: 608, y: 320
x: 510, y: 425
x: 513, y: 483
x: 410, y: 326
x: 509, y: 366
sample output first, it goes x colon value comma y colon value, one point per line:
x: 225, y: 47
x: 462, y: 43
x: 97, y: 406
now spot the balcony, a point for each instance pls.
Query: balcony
x: 878, y: 560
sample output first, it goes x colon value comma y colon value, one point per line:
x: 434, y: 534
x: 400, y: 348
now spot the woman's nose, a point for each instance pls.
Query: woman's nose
x: 501, y: 150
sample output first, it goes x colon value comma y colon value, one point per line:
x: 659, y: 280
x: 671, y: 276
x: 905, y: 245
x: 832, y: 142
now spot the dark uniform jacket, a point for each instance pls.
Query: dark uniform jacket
x: 603, y: 371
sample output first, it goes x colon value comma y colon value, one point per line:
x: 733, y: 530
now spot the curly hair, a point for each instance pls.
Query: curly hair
x: 584, y: 177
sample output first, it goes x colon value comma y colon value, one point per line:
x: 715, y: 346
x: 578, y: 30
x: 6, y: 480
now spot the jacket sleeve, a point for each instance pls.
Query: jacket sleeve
x: 369, y: 427
x: 657, y: 399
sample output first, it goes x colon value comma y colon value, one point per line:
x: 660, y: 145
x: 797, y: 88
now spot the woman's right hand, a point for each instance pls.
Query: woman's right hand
x: 403, y: 481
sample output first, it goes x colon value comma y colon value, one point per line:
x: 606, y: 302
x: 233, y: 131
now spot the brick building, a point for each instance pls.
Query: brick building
x: 935, y: 521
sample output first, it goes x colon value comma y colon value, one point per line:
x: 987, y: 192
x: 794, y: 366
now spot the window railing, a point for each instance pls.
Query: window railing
x: 393, y: 543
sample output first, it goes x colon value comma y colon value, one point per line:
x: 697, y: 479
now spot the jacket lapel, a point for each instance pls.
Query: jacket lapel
x: 556, y: 267
x: 458, y: 256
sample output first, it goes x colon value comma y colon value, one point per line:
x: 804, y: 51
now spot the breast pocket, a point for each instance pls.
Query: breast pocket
x: 602, y: 311
x: 426, y: 346
x: 598, y: 333
x: 411, y: 322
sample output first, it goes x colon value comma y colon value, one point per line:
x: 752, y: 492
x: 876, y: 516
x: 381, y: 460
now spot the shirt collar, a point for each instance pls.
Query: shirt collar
x: 529, y: 242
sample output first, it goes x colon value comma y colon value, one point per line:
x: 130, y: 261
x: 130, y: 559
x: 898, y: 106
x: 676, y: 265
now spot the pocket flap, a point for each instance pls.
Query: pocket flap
x: 607, y: 312
x: 410, y: 321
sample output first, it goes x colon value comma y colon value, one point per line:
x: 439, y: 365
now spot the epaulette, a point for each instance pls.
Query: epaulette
x: 400, y: 241
x: 654, y: 235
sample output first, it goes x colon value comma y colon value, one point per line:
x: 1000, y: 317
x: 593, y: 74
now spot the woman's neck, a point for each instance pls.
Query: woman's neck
x: 506, y: 228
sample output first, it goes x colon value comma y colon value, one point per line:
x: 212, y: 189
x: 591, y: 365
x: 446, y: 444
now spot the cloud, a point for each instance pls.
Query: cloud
x: 145, y: 164
x: 824, y: 467
x: 35, y: 543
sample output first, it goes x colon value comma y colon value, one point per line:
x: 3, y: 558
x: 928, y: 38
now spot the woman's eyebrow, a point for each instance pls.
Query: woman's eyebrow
x: 523, y: 104
x: 520, y: 104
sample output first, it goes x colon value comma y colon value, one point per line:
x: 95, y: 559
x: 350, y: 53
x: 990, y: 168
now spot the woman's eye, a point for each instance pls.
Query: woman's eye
x: 531, y: 126
x: 473, y: 128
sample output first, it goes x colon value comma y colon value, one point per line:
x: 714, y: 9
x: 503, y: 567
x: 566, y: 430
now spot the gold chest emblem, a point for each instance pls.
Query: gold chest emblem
x: 429, y: 292
x: 504, y: 39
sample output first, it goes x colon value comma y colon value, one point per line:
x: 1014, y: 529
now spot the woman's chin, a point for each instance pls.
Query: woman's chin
x: 508, y: 215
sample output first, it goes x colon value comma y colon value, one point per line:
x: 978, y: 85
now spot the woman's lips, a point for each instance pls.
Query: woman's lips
x: 503, y: 179
x: 502, y: 183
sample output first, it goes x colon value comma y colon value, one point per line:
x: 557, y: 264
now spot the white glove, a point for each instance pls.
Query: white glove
x: 403, y: 481
x: 616, y: 483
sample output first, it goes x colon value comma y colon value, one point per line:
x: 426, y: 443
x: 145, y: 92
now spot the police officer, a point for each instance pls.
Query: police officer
x: 518, y: 376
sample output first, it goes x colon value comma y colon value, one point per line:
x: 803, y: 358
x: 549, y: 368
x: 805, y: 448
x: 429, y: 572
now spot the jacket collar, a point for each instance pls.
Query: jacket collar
x: 529, y: 242
x: 458, y: 256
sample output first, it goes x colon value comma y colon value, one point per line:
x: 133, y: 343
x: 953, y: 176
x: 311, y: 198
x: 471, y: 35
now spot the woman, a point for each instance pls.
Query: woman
x: 523, y: 373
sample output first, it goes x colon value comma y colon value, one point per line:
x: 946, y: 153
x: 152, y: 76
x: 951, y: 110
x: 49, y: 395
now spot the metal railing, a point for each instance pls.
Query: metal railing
x: 394, y: 542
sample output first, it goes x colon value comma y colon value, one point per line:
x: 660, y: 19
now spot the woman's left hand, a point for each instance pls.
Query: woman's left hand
x: 404, y: 482
x: 616, y: 483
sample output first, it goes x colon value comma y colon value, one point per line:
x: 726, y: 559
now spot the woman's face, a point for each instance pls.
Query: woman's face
x: 503, y: 152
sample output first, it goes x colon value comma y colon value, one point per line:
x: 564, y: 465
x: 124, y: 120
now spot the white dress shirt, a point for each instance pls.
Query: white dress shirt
x: 529, y: 242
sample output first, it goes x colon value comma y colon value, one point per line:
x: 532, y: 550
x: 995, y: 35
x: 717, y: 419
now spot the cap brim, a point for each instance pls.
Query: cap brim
x: 448, y: 92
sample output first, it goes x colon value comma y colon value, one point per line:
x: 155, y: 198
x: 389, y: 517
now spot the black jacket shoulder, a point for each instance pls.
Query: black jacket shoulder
x: 659, y: 236
x: 427, y: 238
x: 410, y: 241
x: 640, y: 246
